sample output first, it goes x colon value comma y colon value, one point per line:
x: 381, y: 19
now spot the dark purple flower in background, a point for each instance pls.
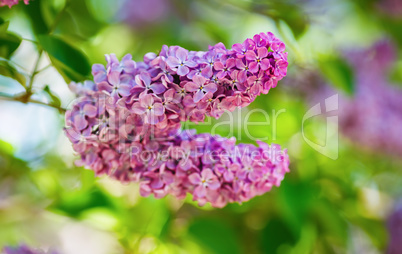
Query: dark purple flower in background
x: 23, y: 249
x: 392, y: 8
x: 395, y: 230
x: 140, y: 13
x: 372, y: 116
x: 376, y: 118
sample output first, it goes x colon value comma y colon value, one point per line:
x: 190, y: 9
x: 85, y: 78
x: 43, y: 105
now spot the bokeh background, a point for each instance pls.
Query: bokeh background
x: 345, y: 205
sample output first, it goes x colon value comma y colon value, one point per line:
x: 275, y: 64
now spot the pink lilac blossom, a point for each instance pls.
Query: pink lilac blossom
x: 127, y: 124
x: 10, y: 3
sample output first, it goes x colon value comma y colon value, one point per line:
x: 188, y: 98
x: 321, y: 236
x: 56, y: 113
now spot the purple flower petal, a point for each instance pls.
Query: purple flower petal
x: 173, y: 62
x: 200, y: 191
x: 198, y: 96
x: 181, y: 54
x: 138, y: 109
x: 80, y: 122
x: 182, y: 70
x: 158, y: 109
x: 191, y: 64
x: 262, y: 52
x: 250, y: 55
x: 195, y: 178
x: 105, y: 86
x: 265, y: 64
x: 90, y: 110
x: 254, y: 67
x: 147, y: 100
x: 158, y: 88
x: 114, y: 78
x: 191, y: 87
x: 211, y: 87
x: 124, y: 89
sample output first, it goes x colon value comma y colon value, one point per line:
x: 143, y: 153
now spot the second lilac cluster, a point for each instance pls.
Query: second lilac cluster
x: 213, y: 169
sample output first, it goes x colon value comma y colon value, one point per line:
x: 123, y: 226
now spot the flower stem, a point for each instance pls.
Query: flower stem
x: 24, y: 98
x: 35, y: 71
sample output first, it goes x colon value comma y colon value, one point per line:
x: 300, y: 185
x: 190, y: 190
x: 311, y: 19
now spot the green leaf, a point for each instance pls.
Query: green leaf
x: 9, y: 42
x: 393, y: 27
x: 331, y: 222
x: 290, y: 13
x: 11, y: 166
x: 80, y: 14
x: 275, y: 234
x: 76, y: 202
x: 3, y: 26
x: 72, y: 64
x: 102, y: 10
x: 295, y: 200
x: 8, y: 70
x: 34, y: 12
x: 215, y: 235
x: 338, y: 72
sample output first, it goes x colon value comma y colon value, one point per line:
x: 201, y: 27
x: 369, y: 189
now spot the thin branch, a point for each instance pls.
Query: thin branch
x: 16, y: 64
x: 20, y: 98
x: 35, y: 71
x: 44, y: 68
x: 32, y: 41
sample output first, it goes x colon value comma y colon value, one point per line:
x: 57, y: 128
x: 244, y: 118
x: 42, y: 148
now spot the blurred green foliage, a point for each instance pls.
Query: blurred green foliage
x: 323, y: 206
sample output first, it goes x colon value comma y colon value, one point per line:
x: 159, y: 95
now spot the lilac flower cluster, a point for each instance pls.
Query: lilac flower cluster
x: 213, y: 169
x: 10, y: 3
x: 127, y: 123
x: 23, y: 249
